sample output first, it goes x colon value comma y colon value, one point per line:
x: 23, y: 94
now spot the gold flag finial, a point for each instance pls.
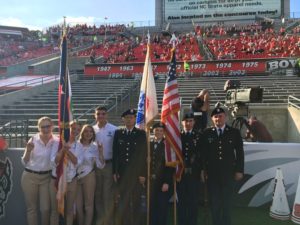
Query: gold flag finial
x: 64, y: 26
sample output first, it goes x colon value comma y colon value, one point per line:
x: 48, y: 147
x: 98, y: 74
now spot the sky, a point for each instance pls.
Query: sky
x: 40, y: 14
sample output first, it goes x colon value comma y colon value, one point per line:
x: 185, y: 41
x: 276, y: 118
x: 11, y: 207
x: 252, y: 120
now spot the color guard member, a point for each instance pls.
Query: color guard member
x: 189, y: 185
x: 224, y: 163
x: 129, y: 169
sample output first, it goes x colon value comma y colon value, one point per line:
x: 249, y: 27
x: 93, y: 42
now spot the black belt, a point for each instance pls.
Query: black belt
x: 108, y: 160
x: 38, y: 172
x: 78, y: 174
x: 54, y: 178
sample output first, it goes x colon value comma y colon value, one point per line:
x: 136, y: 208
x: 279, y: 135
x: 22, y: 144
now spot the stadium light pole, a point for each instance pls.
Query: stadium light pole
x: 105, y: 18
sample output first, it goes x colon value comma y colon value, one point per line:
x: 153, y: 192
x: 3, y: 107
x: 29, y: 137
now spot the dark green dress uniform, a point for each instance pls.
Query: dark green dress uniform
x: 159, y: 174
x: 223, y: 157
x: 129, y: 162
x: 188, y: 187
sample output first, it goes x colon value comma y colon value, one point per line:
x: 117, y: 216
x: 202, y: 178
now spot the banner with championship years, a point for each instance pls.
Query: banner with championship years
x: 215, y: 68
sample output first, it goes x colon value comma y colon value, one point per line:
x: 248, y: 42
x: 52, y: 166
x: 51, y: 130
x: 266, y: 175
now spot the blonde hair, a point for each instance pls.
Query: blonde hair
x: 44, y: 118
x: 82, y: 131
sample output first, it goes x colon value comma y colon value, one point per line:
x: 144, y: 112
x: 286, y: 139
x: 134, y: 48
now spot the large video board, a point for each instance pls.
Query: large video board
x: 219, y: 10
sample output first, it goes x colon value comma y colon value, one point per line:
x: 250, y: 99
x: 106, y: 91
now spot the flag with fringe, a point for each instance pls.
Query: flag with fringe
x: 64, y: 118
x: 170, y: 117
x: 147, y: 106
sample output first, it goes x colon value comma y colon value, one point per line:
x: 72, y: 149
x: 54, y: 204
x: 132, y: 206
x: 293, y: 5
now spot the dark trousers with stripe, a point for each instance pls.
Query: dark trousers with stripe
x: 188, y: 193
x: 220, y: 196
x: 159, y: 204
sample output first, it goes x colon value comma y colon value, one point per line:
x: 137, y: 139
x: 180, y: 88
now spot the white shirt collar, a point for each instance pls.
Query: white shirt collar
x: 222, y: 128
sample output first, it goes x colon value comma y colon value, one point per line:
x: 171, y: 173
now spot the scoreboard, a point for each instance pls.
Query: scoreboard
x: 178, y: 11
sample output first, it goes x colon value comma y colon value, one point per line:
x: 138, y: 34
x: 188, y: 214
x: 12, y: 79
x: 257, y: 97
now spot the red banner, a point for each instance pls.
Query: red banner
x: 200, y: 68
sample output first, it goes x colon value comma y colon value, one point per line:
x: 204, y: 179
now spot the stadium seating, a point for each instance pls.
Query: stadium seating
x: 13, y: 52
x: 252, y: 42
x: 87, y: 94
x: 127, y: 49
x: 276, y: 90
x: 16, y: 50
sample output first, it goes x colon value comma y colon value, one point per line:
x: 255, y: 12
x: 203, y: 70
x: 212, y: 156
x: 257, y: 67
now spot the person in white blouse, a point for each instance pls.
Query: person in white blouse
x: 36, y: 176
x: 92, y: 154
x: 74, y: 159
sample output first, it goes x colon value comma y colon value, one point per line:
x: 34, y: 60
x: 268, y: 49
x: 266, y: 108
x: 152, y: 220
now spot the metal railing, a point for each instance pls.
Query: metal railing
x: 117, y: 98
x: 293, y: 101
x: 15, y: 132
x: 295, y: 15
x: 27, y: 83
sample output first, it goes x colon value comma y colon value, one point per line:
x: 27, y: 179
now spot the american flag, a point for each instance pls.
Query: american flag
x: 170, y: 117
x: 64, y: 118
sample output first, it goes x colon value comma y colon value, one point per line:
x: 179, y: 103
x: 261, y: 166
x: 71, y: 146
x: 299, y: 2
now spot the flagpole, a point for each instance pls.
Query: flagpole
x: 64, y: 34
x: 148, y: 140
x: 174, y: 201
x: 64, y: 116
x: 148, y: 174
x: 147, y: 111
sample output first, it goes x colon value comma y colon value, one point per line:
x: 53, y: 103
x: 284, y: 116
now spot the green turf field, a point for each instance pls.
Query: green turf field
x: 243, y: 216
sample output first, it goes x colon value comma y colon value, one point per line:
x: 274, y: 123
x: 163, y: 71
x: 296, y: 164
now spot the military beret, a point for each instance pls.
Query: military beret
x: 156, y: 125
x: 188, y: 115
x: 129, y: 112
x: 216, y: 111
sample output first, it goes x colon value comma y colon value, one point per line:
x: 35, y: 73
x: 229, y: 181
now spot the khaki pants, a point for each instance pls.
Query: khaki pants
x: 85, y: 199
x: 70, y: 201
x: 54, y: 216
x: 104, y: 195
x: 36, y: 188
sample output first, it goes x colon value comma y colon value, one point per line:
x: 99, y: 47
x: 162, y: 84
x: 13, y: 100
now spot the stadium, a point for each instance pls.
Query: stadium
x: 252, y: 45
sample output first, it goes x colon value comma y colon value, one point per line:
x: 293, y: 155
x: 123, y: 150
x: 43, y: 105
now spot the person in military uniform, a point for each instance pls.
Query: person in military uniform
x: 161, y: 178
x: 188, y: 187
x: 129, y: 169
x: 223, y: 163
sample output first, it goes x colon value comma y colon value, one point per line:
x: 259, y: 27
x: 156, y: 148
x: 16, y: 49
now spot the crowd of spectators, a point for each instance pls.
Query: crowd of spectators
x: 16, y: 50
x: 252, y: 42
x: 116, y: 49
x: 296, y: 30
x: 86, y: 30
x: 133, y: 49
x: 256, y: 40
x: 220, y: 30
x: 242, y: 41
x: 187, y: 48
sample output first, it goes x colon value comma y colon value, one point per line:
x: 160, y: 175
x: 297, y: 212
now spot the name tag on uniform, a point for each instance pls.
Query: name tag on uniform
x: 197, y: 113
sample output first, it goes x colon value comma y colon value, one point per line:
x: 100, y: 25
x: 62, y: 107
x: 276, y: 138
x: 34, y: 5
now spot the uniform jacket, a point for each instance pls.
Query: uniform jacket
x: 159, y: 172
x: 191, y: 151
x: 223, y: 156
x: 129, y: 153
